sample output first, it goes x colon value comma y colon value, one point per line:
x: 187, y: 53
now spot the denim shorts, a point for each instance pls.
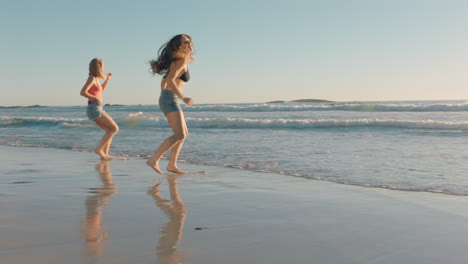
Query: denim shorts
x: 168, y: 102
x: 94, y: 110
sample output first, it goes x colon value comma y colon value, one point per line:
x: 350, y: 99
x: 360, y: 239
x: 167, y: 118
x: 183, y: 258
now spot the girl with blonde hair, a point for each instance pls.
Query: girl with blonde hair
x: 93, y: 91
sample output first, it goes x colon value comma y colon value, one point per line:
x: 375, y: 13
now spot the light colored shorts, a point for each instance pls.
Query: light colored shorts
x: 168, y: 102
x: 94, y: 110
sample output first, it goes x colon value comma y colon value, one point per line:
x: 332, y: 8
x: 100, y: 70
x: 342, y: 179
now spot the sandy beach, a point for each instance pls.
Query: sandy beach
x: 61, y: 206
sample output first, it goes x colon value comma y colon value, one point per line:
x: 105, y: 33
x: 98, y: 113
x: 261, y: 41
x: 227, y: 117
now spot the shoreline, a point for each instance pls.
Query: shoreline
x: 61, y: 206
x: 366, y: 185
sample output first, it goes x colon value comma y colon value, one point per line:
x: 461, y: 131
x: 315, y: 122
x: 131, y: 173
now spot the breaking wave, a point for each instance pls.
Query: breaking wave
x: 148, y: 120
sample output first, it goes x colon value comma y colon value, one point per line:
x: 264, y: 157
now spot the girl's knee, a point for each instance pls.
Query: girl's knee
x: 115, y: 129
x: 180, y: 137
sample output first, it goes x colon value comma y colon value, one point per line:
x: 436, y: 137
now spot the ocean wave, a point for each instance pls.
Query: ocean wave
x: 140, y: 119
x: 145, y: 119
x: 364, y: 107
x: 8, y: 121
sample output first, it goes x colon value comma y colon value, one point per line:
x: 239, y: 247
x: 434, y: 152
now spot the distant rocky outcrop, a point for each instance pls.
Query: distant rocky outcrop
x: 16, y: 106
x: 312, y: 101
x: 114, y: 105
x: 301, y: 101
x: 276, y: 102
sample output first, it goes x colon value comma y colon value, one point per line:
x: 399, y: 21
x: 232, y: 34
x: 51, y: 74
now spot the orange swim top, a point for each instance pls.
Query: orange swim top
x: 96, y: 91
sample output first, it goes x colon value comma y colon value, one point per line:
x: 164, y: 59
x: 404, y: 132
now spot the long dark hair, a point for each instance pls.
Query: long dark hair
x: 168, y: 53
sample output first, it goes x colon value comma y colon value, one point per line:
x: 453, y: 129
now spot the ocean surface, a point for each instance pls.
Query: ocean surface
x: 411, y: 145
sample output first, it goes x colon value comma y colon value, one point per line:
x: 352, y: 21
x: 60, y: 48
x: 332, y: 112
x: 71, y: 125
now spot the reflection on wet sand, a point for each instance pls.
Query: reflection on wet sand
x: 171, y: 232
x: 94, y: 231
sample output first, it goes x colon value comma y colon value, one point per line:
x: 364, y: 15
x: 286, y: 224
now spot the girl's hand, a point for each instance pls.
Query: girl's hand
x: 109, y: 76
x: 99, y: 101
x: 188, y: 101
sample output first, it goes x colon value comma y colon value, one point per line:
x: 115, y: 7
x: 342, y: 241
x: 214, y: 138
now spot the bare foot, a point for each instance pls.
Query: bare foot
x: 175, y: 170
x: 101, y: 154
x: 154, y: 165
x: 109, y: 157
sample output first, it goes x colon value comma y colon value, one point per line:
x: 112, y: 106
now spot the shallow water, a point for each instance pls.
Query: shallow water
x: 418, y: 146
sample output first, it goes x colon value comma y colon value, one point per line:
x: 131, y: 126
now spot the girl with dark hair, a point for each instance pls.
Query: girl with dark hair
x: 172, y: 63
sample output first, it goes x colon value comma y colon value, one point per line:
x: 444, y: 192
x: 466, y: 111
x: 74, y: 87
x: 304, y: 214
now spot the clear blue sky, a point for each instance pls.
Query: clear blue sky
x: 247, y: 50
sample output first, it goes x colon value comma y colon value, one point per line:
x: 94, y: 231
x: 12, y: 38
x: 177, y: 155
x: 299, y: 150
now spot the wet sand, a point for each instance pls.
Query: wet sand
x: 60, y: 206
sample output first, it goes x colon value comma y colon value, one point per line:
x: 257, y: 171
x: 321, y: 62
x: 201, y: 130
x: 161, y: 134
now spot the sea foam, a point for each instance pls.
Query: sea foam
x: 149, y: 120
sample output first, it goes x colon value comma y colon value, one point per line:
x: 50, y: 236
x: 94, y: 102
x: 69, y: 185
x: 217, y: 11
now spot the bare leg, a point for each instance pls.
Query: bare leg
x: 114, y: 129
x: 106, y: 149
x: 177, y: 122
x: 172, y: 165
x: 153, y: 161
x: 111, y: 128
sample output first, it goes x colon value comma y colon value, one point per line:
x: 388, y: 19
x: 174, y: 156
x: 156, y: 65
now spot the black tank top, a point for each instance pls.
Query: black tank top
x: 184, y: 76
